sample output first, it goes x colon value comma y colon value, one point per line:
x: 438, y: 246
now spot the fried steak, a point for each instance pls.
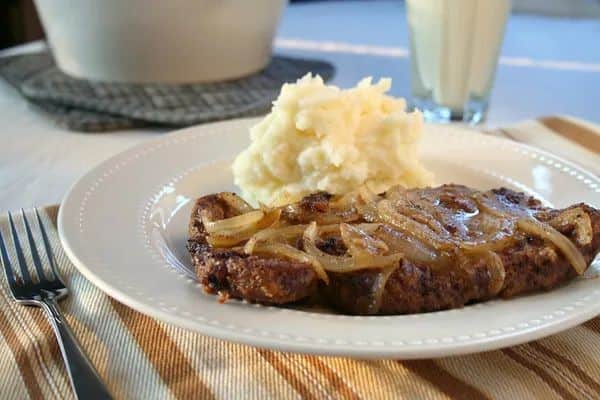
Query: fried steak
x: 403, y: 251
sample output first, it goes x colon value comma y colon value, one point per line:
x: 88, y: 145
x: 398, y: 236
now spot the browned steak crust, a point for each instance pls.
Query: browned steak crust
x: 530, y: 263
x: 232, y: 273
x: 256, y: 279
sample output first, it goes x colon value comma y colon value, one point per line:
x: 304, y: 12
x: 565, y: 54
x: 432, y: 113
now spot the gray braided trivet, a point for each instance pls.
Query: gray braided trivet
x: 95, y: 106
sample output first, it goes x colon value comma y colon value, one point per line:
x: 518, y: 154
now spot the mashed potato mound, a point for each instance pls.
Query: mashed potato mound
x: 320, y: 137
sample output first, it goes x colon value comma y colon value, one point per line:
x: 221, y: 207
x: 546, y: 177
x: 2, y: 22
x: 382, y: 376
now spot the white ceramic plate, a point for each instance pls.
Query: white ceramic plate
x: 124, y: 226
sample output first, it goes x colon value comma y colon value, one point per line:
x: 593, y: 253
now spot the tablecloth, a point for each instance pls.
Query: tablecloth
x: 143, y: 358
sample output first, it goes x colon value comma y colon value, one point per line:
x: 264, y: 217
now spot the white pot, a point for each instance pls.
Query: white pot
x: 160, y: 40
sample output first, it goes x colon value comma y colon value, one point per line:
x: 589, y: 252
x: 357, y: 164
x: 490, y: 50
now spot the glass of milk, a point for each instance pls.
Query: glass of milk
x: 454, y: 52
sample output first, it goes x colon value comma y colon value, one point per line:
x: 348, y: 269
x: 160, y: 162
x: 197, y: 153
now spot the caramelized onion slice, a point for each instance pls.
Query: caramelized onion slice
x: 288, y: 234
x: 418, y: 213
x: 326, y: 229
x: 231, y: 237
x: 290, y: 252
x: 379, y: 288
x: 483, y: 246
x: 338, y: 217
x: 335, y: 228
x: 344, y: 202
x: 280, y: 234
x: 388, y: 214
x: 236, y: 202
x: 413, y: 249
x: 350, y: 200
x: 358, y: 241
x: 367, y: 206
x: 342, y: 263
x: 234, y: 223
x: 367, y: 195
x: 493, y: 264
x: 396, y: 192
x: 578, y: 218
x: 368, y: 211
x: 336, y: 210
x: 416, y: 208
x: 497, y: 271
x: 218, y: 240
x: 534, y: 227
x: 490, y: 204
x: 309, y: 239
x: 491, y: 228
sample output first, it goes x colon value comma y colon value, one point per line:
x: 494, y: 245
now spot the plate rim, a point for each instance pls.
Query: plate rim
x: 404, y: 352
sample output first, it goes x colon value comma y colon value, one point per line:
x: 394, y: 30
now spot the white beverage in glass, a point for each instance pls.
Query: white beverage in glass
x: 454, y: 52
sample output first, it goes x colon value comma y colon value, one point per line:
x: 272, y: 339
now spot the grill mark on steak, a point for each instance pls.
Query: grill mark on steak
x: 530, y: 263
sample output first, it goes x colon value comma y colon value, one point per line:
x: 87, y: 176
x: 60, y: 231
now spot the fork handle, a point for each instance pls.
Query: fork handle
x: 84, y: 379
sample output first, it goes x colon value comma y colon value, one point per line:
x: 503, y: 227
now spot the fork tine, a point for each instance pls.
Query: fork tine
x: 47, y: 246
x: 37, y: 262
x: 10, y: 277
x: 20, y: 255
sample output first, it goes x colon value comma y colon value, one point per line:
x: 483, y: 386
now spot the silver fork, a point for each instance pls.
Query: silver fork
x: 45, y: 294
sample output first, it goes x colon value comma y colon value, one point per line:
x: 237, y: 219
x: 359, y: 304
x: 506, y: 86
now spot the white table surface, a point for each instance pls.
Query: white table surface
x: 548, y: 66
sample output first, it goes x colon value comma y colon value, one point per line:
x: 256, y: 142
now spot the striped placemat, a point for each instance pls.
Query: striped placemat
x: 572, y: 139
x: 142, y: 358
